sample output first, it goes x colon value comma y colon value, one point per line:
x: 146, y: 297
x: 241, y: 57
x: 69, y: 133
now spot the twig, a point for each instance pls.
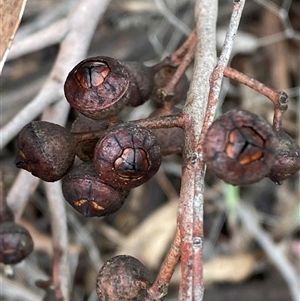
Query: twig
x: 76, y: 42
x: 168, y: 91
x: 176, y: 57
x: 23, y: 187
x: 39, y: 40
x: 168, y: 121
x: 60, y: 268
x: 166, y: 185
x: 218, y: 73
x: 262, y: 237
x: 205, y: 58
x: 194, y: 169
x: 279, y: 98
x: 215, y: 87
x: 160, y: 287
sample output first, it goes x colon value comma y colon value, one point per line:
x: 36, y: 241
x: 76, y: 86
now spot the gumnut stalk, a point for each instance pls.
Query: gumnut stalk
x: 86, y: 192
x: 239, y: 147
x: 82, y: 128
x: 123, y: 278
x: 171, y: 140
x: 47, y: 150
x: 98, y: 87
x: 162, y: 78
x: 287, y: 161
x: 127, y: 156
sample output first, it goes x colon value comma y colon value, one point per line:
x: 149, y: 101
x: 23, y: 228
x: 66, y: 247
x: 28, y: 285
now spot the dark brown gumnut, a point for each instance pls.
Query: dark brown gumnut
x: 85, y: 145
x: 127, y: 156
x: 86, y: 192
x: 15, y: 241
x: 161, y: 79
x: 287, y: 161
x: 123, y: 278
x: 239, y: 147
x: 141, y: 83
x: 98, y: 87
x: 171, y: 140
x: 47, y: 150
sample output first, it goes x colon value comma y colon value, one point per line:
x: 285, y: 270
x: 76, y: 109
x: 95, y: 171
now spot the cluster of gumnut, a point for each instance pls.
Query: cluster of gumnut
x: 240, y: 147
x: 116, y: 156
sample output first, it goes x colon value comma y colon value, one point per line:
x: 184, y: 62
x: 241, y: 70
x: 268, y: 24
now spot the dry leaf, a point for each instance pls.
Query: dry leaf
x: 150, y: 241
x: 11, y: 12
x: 231, y: 268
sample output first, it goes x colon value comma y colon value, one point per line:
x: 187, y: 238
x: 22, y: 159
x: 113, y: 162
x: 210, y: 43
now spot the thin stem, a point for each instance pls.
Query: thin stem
x: 177, y: 56
x: 279, y: 98
x: 254, y: 84
x: 167, y: 121
x: 180, y: 59
x: 168, y: 91
x: 277, y: 119
x: 275, y: 96
x: 160, y: 287
x: 175, y: 59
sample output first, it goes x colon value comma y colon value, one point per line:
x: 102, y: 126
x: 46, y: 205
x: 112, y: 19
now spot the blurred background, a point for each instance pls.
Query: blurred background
x: 243, y: 226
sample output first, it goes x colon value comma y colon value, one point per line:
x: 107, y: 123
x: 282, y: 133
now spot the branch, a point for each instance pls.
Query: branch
x: 205, y: 59
x: 191, y: 206
x: 218, y: 73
